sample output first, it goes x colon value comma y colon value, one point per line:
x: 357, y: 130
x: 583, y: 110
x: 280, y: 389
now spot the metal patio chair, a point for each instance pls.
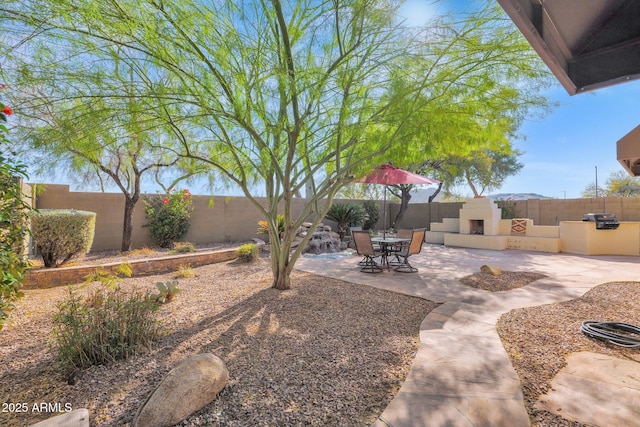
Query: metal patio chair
x: 364, y: 247
x: 414, y: 247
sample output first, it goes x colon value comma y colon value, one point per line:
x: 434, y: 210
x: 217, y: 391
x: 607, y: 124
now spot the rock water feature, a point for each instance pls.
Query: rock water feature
x: 323, y: 240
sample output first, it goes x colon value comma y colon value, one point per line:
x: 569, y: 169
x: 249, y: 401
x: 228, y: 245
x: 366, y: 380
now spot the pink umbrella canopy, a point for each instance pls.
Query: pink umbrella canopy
x: 391, y: 175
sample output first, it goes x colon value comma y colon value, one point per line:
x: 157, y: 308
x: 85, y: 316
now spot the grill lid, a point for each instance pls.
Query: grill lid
x: 604, y: 221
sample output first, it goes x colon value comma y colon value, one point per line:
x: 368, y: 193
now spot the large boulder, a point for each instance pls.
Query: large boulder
x: 188, y: 387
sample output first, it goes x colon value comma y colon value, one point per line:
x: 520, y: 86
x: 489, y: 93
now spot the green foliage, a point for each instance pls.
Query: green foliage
x: 247, y: 252
x: 14, y: 218
x: 169, y: 216
x: 13, y: 230
x: 182, y: 247
x: 167, y: 292
x: 508, y: 208
x: 346, y: 214
x: 106, y: 326
x: 373, y: 213
x: 61, y: 234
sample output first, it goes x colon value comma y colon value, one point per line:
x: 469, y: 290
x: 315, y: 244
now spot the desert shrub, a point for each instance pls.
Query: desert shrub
x: 346, y: 214
x: 143, y: 251
x: 184, y: 271
x: 373, y: 213
x: 13, y: 230
x: 107, y: 278
x: 61, y: 234
x: 168, y: 216
x: 247, y: 252
x: 182, y: 247
x: 107, y: 325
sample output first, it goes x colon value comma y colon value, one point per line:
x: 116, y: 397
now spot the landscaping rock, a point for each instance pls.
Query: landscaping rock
x: 491, y: 269
x: 190, y: 386
x: 76, y: 418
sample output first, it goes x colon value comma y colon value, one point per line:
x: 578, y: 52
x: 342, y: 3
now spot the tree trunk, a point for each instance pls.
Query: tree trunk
x: 435, y: 193
x: 405, y: 196
x: 127, y: 228
x: 282, y: 279
x: 280, y: 258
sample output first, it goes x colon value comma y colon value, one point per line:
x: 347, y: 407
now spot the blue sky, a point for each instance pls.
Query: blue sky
x: 563, y: 149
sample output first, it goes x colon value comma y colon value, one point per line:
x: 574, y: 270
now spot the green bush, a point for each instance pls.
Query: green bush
x: 13, y: 230
x: 373, y: 213
x: 168, y: 217
x: 61, y: 234
x: 247, y: 252
x: 106, y: 326
x: 346, y: 214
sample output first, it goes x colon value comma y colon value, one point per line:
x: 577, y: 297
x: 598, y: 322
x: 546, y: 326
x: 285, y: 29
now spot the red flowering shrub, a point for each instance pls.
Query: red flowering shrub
x: 168, y: 216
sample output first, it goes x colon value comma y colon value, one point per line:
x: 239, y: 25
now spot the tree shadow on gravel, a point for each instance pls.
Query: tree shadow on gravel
x: 323, y: 353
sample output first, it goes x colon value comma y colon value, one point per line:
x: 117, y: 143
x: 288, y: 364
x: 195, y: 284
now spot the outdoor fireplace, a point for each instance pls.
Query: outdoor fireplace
x: 476, y: 226
x: 480, y: 217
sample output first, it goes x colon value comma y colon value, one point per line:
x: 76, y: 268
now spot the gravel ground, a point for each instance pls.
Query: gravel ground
x: 325, y: 353
x: 538, y: 339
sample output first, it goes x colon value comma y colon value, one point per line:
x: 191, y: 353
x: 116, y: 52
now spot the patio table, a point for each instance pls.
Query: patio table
x: 387, y: 245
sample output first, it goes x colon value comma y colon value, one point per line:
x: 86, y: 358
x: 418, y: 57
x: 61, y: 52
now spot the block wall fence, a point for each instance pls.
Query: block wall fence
x: 228, y: 218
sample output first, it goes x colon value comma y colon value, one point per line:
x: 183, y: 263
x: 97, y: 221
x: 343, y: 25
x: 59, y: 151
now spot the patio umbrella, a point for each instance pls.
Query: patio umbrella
x: 390, y: 175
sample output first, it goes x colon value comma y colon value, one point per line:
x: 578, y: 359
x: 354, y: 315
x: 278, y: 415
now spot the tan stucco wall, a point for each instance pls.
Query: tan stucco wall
x: 583, y: 238
x: 226, y: 219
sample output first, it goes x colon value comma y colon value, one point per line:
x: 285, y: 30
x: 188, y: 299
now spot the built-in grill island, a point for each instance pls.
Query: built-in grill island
x: 604, y: 221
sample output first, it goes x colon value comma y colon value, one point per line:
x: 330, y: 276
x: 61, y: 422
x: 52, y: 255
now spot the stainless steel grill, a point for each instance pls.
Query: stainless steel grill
x: 604, y: 221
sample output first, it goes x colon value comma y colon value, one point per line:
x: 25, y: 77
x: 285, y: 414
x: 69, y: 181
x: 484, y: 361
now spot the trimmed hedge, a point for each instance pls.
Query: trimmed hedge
x: 61, y: 234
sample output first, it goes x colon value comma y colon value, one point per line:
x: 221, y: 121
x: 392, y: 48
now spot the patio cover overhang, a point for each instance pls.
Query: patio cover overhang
x: 587, y: 44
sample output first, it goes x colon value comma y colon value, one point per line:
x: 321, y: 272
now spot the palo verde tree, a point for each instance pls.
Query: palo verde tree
x: 297, y: 94
x: 99, y: 126
x: 485, y: 81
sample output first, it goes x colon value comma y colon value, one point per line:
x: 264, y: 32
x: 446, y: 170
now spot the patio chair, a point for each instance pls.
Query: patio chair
x: 364, y: 247
x: 414, y: 247
x: 402, y: 233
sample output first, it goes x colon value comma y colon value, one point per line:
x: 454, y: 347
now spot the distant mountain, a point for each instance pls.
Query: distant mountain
x: 517, y: 196
x: 422, y: 196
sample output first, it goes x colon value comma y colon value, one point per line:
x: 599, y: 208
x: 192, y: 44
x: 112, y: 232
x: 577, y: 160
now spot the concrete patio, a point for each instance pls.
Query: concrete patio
x: 461, y: 374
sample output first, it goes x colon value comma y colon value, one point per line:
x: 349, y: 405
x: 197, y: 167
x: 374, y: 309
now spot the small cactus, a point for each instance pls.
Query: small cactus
x: 167, y: 290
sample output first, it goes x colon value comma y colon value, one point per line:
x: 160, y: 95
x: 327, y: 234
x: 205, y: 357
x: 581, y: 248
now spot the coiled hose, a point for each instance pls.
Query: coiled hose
x: 621, y: 334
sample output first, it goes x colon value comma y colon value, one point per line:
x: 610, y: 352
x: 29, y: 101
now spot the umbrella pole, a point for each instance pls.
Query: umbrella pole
x: 384, y: 216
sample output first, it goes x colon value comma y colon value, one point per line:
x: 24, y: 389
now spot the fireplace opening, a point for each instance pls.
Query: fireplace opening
x: 476, y: 226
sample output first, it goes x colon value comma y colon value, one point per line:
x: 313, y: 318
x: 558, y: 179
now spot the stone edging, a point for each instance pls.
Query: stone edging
x: 51, y: 277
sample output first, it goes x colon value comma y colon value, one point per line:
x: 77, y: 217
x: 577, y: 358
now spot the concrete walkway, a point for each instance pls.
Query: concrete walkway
x: 461, y: 375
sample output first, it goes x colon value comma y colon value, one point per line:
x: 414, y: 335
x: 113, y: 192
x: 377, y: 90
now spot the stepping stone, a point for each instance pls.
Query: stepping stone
x: 595, y: 389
